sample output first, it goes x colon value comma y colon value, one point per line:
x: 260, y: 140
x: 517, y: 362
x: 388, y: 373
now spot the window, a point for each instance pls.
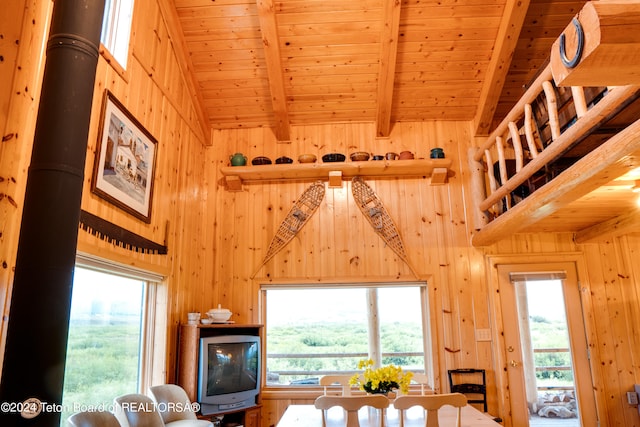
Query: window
x: 109, y: 336
x: 311, y: 331
x: 116, y: 29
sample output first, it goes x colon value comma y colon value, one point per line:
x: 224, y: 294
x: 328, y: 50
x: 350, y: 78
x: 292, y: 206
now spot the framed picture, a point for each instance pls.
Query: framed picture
x: 125, y: 160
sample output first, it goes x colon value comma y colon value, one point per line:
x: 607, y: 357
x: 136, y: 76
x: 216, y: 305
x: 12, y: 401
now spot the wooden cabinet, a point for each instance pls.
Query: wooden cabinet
x: 437, y: 169
x: 187, y: 364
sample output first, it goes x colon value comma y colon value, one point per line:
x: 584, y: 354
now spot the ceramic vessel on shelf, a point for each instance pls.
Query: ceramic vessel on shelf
x: 307, y: 158
x: 359, y: 156
x: 238, y: 159
x: 219, y: 314
x: 283, y: 160
x: 391, y: 156
x: 437, y: 153
x: 261, y: 160
x: 406, y: 155
x: 333, y: 157
x: 377, y: 157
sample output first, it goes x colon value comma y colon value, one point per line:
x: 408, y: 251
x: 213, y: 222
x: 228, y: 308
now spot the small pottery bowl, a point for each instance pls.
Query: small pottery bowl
x: 206, y: 321
x: 359, y: 156
x: 283, y: 160
x: 391, y: 156
x: 377, y: 157
x: 261, y: 160
x: 333, y: 157
x: 307, y: 158
x: 406, y: 155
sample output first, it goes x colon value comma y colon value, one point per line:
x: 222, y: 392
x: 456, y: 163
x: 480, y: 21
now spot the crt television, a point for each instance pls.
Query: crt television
x: 228, y: 373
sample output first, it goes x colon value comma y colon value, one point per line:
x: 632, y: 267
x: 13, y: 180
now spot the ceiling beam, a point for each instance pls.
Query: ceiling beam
x: 387, y: 71
x: 270, y: 39
x: 623, y: 224
x: 506, y: 41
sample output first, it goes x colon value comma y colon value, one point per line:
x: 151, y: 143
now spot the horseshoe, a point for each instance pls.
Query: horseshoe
x: 563, y: 54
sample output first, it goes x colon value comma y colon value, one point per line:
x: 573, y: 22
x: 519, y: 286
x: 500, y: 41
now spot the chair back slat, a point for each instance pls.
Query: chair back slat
x: 431, y: 403
x: 352, y: 405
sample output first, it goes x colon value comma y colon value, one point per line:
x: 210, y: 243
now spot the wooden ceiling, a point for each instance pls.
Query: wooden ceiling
x: 279, y: 63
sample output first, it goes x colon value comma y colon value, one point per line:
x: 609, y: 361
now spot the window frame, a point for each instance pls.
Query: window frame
x: 427, y: 330
x: 152, y: 348
x: 112, y: 31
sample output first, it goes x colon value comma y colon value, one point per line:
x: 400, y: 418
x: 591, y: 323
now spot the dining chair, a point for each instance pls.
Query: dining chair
x: 343, y: 380
x: 352, y: 404
x: 472, y: 383
x: 137, y: 410
x: 431, y: 403
x: 93, y: 419
x: 175, y: 407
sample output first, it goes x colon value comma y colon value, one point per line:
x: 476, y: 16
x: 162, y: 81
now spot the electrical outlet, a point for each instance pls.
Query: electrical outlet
x: 632, y: 398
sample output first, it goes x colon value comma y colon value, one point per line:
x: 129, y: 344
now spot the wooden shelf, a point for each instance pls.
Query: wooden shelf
x: 437, y: 169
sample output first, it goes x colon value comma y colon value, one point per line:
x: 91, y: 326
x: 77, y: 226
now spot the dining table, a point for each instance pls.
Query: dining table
x: 309, y: 416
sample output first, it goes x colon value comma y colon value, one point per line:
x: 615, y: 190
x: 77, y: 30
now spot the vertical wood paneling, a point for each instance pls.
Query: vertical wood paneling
x: 24, y: 30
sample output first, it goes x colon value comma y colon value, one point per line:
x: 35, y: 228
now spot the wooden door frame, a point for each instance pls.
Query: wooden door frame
x: 589, y: 413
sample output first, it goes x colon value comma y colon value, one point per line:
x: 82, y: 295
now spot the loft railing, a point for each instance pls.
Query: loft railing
x: 520, y: 150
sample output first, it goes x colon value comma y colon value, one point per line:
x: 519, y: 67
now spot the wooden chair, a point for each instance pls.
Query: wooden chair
x: 431, y: 403
x: 93, y: 419
x: 343, y: 380
x: 473, y: 384
x: 352, y: 405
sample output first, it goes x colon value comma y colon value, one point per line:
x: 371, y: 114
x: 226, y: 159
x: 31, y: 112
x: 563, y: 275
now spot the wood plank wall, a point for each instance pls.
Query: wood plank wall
x: 154, y: 89
x: 338, y: 244
x: 436, y: 222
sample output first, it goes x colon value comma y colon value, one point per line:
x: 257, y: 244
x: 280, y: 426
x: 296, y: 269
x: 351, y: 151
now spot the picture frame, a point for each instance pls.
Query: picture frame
x: 125, y: 162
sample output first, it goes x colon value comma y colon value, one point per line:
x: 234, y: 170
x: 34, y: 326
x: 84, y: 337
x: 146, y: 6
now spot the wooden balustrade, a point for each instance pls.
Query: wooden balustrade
x: 521, y: 163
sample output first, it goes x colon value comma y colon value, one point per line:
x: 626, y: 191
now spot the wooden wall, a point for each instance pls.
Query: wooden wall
x: 436, y: 223
x: 153, y: 88
x: 338, y: 244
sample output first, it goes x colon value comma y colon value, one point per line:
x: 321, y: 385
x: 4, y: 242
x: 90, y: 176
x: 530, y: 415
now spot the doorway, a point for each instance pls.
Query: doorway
x: 546, y: 349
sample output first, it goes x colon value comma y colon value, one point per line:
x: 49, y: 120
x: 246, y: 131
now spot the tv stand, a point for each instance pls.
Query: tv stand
x: 247, y: 417
x: 187, y: 367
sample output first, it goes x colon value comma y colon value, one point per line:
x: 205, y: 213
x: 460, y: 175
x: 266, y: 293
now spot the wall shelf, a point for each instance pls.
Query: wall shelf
x: 437, y: 169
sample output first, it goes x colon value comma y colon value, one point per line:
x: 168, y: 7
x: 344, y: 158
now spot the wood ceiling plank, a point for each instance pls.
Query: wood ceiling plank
x: 270, y: 39
x: 332, y: 16
x: 506, y: 41
x: 315, y: 6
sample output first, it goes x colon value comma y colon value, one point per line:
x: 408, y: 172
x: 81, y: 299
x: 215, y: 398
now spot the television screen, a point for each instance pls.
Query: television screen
x: 232, y: 367
x: 229, y: 373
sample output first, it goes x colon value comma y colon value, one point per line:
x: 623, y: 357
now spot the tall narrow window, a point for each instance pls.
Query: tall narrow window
x: 116, y: 29
x: 313, y: 331
x: 106, y: 347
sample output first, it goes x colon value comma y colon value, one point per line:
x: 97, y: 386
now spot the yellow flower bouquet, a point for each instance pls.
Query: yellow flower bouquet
x: 381, y: 380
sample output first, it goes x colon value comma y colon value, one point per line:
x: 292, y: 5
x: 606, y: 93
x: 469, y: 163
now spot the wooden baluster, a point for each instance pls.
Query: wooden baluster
x: 577, y: 92
x: 552, y: 109
x: 517, y: 145
x: 504, y: 177
x: 493, y: 185
x: 528, y: 130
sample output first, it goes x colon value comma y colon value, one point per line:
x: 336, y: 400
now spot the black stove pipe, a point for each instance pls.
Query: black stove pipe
x: 34, y: 360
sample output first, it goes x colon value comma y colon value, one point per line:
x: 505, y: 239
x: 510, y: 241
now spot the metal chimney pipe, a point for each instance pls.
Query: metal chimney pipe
x: 34, y: 361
